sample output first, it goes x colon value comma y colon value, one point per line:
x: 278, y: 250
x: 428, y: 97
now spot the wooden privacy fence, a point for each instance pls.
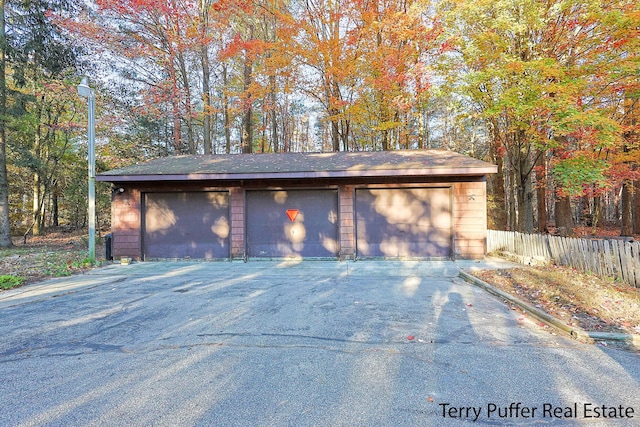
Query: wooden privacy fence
x: 603, y: 257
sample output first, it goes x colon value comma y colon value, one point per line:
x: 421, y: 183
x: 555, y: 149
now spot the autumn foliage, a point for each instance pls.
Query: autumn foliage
x: 547, y: 90
x: 557, y: 84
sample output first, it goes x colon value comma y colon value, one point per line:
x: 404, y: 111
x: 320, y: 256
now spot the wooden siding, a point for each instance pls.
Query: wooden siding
x: 468, y: 212
x: 470, y: 219
x: 347, y: 222
x: 126, y: 224
x: 237, y: 203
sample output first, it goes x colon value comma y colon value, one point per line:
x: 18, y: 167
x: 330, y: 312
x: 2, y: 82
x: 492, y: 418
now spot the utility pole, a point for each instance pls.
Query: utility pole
x: 86, y: 92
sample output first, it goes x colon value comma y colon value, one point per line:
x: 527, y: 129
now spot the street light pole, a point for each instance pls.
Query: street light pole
x: 86, y: 92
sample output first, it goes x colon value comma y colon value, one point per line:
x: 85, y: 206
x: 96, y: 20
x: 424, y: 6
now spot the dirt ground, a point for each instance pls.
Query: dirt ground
x: 59, y: 253
x: 582, y: 300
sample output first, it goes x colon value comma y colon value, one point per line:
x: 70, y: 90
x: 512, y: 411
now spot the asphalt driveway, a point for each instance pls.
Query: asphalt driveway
x: 294, y: 343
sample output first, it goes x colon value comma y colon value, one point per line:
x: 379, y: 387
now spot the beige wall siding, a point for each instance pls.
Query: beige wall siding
x: 126, y: 224
x: 470, y: 219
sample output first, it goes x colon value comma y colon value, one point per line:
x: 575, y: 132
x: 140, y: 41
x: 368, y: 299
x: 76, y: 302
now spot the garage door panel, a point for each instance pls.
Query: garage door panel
x: 186, y: 225
x: 398, y: 222
x: 312, y: 232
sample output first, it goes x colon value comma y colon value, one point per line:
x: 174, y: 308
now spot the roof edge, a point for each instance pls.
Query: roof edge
x: 471, y: 171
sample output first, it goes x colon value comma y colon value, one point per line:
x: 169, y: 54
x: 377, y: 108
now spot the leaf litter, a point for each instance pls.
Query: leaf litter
x: 582, y: 300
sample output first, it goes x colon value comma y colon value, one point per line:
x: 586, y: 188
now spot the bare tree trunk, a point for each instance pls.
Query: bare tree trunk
x: 524, y: 195
x: 512, y: 199
x: 631, y: 120
x: 345, y: 134
x: 636, y: 207
x: 247, y: 120
x: 564, y: 217
x: 191, y: 141
x: 385, y: 140
x: 335, y: 132
x: 36, y: 184
x: 246, y: 141
x: 265, y: 145
x: 206, y: 71
x: 5, y: 229
x: 35, y: 213
x: 175, y: 105
x: 498, y: 211
x: 616, y: 204
x: 627, y: 224
x: 334, y: 92
x: 541, y: 189
x: 273, y: 113
x: 497, y: 207
x: 596, y: 218
x: 55, y: 211
x: 288, y: 127
x: 524, y: 192
x: 423, y: 127
x: 225, y: 102
x: 206, y: 99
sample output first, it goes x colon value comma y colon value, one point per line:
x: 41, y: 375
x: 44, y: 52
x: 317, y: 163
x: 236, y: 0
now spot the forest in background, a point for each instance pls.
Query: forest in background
x: 547, y: 90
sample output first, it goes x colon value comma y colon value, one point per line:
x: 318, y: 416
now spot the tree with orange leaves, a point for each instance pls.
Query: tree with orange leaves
x: 547, y: 79
x: 151, y: 43
x: 395, y: 42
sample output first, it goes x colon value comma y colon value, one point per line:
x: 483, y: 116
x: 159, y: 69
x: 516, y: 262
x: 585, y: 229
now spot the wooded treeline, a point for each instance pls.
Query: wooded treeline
x: 547, y: 90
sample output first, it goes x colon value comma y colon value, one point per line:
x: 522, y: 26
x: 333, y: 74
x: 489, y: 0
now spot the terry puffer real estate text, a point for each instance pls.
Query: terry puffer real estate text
x: 518, y: 410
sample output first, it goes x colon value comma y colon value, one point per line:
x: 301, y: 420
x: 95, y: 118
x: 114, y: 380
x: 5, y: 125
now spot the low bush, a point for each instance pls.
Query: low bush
x: 8, y: 281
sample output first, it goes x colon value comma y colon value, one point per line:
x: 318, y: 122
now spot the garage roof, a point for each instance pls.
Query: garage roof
x: 302, y: 165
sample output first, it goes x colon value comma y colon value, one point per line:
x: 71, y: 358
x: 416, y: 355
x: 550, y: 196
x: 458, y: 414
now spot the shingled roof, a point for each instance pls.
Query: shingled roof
x: 302, y: 165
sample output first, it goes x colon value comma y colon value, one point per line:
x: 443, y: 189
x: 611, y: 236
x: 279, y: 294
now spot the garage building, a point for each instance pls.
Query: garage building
x: 427, y: 204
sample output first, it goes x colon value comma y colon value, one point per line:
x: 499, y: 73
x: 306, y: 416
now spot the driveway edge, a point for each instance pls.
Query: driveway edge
x: 546, y: 318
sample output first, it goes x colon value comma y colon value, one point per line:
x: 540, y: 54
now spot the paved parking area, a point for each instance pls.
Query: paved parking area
x: 294, y: 343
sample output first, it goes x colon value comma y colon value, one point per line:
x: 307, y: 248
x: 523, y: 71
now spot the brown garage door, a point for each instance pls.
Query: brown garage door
x: 292, y: 223
x: 403, y: 222
x: 186, y: 225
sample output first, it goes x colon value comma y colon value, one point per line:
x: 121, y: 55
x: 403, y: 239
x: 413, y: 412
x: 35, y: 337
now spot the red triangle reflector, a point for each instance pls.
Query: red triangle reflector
x: 292, y: 214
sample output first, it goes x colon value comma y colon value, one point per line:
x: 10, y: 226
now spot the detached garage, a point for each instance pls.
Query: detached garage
x: 428, y: 204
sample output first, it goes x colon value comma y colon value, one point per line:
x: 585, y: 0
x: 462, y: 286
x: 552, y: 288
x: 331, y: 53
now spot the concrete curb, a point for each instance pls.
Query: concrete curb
x: 574, y: 332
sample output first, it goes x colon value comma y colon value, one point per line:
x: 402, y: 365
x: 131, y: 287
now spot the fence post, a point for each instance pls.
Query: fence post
x: 614, y: 258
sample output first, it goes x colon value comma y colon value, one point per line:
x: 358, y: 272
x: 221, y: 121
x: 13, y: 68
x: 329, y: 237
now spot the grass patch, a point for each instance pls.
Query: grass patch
x: 39, y: 263
x: 59, y: 253
x: 62, y: 268
x: 8, y: 281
